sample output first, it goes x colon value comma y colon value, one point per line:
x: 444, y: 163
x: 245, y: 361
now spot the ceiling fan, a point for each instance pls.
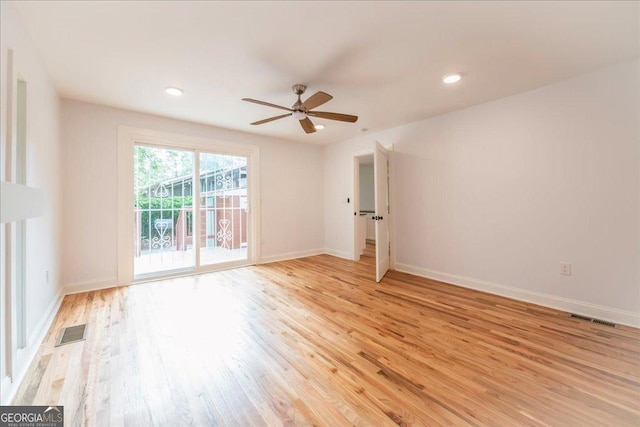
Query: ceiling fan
x: 302, y: 110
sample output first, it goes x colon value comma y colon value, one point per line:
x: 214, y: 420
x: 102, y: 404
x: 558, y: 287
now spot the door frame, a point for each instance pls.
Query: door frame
x: 16, y: 346
x: 355, y: 190
x: 127, y: 138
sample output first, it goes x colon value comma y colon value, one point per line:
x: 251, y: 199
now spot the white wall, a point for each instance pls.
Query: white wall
x: 43, y: 171
x: 291, y: 180
x: 497, y: 195
x: 367, y: 194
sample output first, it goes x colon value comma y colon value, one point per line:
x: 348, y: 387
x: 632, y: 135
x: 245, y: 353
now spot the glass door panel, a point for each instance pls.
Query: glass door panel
x: 163, y: 210
x: 223, y: 208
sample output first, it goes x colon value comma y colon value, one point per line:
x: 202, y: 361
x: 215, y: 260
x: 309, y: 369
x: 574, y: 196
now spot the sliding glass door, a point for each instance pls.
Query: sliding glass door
x: 168, y: 238
x: 223, y: 208
x: 163, y: 210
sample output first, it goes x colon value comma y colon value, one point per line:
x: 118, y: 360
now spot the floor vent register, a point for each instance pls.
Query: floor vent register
x: 592, y: 320
x: 72, y: 334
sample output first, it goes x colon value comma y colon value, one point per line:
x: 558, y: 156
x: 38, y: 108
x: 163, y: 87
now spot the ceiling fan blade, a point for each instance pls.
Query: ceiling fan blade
x: 270, y: 119
x: 268, y: 104
x: 316, y: 100
x: 333, y: 116
x: 307, y: 125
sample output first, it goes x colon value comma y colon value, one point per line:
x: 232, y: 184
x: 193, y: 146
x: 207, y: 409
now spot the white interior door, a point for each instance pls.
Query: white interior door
x: 381, y: 172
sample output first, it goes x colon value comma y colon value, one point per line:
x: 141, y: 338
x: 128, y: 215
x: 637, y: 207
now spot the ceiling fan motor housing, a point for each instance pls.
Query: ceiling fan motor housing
x: 298, y: 113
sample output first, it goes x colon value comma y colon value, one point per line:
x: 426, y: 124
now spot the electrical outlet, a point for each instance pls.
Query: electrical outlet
x: 565, y: 269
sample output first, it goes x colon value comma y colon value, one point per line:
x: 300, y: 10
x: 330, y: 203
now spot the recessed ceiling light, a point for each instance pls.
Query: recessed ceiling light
x: 451, y: 78
x: 174, y: 91
x: 319, y: 127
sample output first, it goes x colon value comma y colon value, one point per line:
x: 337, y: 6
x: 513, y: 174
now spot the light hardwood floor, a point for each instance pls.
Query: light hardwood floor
x: 369, y: 251
x: 316, y: 341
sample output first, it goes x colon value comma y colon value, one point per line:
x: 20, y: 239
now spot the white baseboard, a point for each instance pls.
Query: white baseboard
x: 5, y: 390
x: 93, y: 285
x: 9, y: 386
x: 339, y: 254
x: 45, y: 323
x: 565, y: 304
x: 290, y: 255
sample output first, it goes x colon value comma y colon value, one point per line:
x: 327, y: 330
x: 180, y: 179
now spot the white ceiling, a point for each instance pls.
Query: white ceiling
x: 382, y: 61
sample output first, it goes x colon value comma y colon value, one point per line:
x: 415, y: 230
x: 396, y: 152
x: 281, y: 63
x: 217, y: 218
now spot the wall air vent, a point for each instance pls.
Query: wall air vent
x: 592, y: 320
x: 72, y: 334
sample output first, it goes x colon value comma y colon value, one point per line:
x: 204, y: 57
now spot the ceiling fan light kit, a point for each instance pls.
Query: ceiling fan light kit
x: 301, y: 111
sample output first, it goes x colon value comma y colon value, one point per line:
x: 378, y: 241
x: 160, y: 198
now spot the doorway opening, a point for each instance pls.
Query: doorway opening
x: 365, y: 223
x: 371, y: 208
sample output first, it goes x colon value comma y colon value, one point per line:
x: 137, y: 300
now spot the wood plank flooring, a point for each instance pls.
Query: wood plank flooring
x: 369, y: 251
x: 316, y: 341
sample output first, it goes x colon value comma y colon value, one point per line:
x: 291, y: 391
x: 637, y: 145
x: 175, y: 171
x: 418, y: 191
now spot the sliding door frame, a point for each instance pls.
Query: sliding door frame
x: 128, y: 137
